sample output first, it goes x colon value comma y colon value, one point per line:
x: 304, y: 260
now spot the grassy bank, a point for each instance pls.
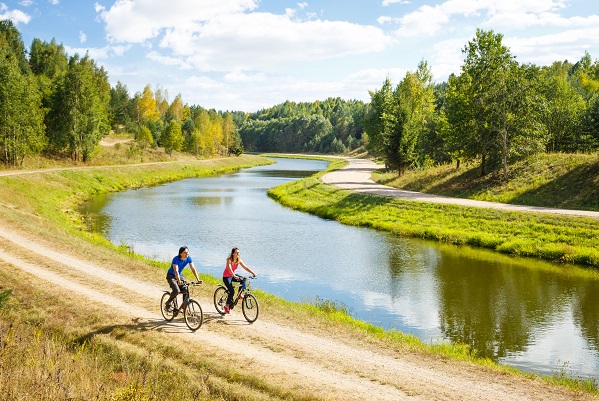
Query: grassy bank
x: 566, y: 181
x: 550, y: 237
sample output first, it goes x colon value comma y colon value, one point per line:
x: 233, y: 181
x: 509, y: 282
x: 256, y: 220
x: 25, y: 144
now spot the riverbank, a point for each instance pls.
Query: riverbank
x: 557, y: 238
x: 84, y: 312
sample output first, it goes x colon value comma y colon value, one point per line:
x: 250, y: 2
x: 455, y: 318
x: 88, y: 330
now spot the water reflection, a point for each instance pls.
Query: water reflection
x: 518, y: 311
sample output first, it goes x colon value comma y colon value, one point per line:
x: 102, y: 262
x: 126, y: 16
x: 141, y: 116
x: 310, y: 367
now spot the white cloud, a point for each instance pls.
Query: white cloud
x: 389, y: 2
x: 26, y: 3
x: 16, y: 16
x: 202, y: 82
x: 82, y: 37
x: 54, y: 2
x: 228, y: 36
x: 97, y: 53
x: 497, y: 14
x: 302, y: 5
x: 240, y: 77
x: 141, y: 20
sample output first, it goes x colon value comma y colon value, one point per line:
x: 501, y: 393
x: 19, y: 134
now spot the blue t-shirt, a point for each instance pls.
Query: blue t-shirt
x: 181, y: 263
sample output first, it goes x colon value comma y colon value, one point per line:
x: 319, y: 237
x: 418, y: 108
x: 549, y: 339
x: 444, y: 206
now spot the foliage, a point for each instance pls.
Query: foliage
x: 330, y: 126
x: 172, y: 139
x: 495, y: 112
x: 21, y: 117
x: 79, y: 113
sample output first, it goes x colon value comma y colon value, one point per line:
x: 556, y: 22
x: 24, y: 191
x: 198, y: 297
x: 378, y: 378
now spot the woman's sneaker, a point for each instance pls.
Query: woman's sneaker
x: 227, y: 310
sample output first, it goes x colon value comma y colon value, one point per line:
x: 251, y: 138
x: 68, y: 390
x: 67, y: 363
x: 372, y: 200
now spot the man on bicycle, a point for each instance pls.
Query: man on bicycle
x: 174, y: 275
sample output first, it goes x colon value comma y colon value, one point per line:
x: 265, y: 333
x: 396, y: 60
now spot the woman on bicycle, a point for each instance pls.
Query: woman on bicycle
x: 174, y: 275
x: 233, y: 262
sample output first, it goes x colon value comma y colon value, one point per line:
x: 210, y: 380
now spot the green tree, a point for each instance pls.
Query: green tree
x: 381, y: 104
x: 48, y: 59
x: 416, y: 98
x: 21, y: 115
x: 172, y: 137
x: 590, y: 126
x: 564, y: 108
x: 491, y: 106
x: 79, y: 114
x: 144, y: 137
x: 10, y: 35
x: 120, y: 105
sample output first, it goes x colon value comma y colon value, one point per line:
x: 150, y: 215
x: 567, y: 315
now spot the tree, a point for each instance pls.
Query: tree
x: 375, y: 122
x: 172, y: 138
x: 491, y: 105
x: 144, y: 137
x: 175, y: 110
x: 229, y: 132
x: 11, y: 37
x: 79, y: 114
x: 120, y: 105
x: 590, y: 126
x: 146, y: 106
x: 21, y: 115
x: 416, y: 98
x: 48, y: 59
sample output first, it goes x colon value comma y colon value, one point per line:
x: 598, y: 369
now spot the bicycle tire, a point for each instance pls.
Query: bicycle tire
x: 220, y: 299
x: 193, y: 315
x: 168, y: 315
x: 250, y: 308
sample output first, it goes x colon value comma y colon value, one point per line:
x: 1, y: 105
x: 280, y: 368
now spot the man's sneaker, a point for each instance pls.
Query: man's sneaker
x: 227, y: 310
x: 168, y: 308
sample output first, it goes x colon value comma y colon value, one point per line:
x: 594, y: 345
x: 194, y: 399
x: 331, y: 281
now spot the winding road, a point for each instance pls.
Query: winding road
x: 356, y: 177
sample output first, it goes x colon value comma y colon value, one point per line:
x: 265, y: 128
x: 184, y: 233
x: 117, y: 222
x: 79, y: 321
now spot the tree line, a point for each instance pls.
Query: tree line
x: 330, y: 126
x: 62, y: 106
x: 494, y: 112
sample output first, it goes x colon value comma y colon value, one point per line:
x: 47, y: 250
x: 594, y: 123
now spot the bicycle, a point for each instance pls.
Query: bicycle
x: 249, y: 304
x: 192, y: 311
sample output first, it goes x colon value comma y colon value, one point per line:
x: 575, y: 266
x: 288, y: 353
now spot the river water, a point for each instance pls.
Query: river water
x: 525, y: 313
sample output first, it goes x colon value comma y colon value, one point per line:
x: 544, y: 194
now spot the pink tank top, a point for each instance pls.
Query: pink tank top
x: 234, y: 267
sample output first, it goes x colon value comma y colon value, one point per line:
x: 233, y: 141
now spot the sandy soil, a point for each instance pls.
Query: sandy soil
x: 321, y: 364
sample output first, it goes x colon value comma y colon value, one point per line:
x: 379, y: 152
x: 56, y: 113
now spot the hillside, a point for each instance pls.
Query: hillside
x: 569, y: 181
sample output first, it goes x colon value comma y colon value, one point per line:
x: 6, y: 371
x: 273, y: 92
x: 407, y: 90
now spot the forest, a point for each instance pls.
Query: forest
x: 494, y: 112
x: 62, y: 106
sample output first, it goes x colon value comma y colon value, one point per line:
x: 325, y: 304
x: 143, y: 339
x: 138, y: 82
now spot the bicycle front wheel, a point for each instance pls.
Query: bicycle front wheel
x: 167, y: 314
x: 193, y: 315
x: 249, y: 306
x: 220, y: 299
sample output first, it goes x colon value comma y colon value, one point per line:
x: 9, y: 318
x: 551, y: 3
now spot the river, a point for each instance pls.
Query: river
x: 525, y: 313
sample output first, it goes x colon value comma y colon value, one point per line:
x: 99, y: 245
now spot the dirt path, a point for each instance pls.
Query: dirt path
x: 356, y: 177
x: 321, y: 365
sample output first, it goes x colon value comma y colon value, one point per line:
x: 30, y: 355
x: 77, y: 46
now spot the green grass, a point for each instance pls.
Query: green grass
x: 567, y: 181
x: 556, y: 238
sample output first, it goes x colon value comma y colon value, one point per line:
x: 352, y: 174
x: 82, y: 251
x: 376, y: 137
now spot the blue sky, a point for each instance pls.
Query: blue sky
x: 252, y: 54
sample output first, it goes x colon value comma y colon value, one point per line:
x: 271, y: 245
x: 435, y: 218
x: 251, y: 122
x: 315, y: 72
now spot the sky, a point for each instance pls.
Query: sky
x: 247, y: 55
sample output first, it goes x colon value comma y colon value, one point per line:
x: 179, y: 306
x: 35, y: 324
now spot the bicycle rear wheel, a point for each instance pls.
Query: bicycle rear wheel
x: 193, y: 315
x: 220, y: 299
x: 168, y: 315
x: 249, y: 306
